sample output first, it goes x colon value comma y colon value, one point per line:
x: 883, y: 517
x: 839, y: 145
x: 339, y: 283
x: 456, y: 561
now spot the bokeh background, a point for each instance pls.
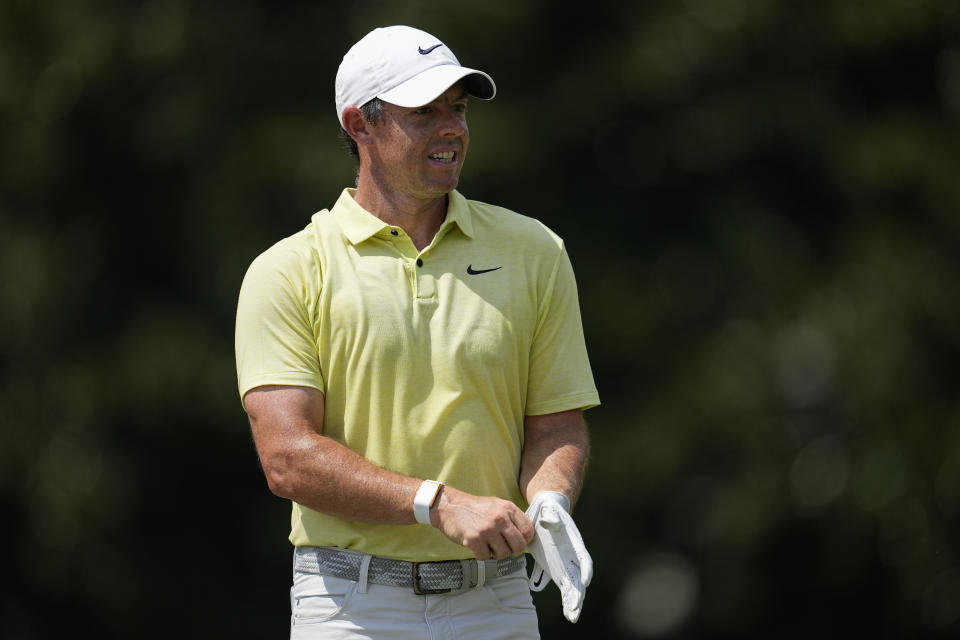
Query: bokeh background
x: 762, y: 202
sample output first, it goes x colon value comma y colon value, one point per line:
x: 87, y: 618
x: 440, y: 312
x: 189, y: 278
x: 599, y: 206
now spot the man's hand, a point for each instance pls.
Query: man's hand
x: 559, y: 552
x: 490, y: 527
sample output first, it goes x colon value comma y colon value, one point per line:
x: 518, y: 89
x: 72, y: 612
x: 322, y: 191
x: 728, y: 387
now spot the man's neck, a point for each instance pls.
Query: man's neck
x: 420, y: 219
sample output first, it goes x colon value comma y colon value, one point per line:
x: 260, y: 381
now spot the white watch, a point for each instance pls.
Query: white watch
x: 426, y: 495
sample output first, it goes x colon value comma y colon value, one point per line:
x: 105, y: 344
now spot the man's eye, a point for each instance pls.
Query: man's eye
x: 423, y: 110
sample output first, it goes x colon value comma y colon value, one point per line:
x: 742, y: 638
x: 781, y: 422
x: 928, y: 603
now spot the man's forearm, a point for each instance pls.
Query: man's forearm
x: 327, y: 476
x: 555, y: 453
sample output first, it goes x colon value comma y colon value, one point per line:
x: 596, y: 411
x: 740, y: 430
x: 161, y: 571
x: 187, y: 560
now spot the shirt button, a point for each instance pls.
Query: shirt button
x: 419, y: 262
x: 394, y: 232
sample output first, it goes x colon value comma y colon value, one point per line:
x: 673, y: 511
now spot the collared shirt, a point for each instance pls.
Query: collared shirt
x: 428, y: 360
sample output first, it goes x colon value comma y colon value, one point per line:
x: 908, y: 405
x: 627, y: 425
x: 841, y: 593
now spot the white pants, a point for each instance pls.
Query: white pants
x: 334, y: 608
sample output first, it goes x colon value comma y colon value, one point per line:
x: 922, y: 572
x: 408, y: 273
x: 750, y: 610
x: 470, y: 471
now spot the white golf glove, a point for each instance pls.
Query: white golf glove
x: 559, y: 552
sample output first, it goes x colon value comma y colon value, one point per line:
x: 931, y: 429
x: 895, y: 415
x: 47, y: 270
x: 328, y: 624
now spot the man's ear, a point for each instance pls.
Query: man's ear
x: 356, y: 125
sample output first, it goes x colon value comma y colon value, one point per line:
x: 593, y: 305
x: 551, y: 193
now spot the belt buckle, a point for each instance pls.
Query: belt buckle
x: 419, y: 590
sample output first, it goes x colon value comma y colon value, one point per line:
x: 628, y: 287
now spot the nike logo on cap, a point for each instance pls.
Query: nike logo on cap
x: 424, y: 52
x: 474, y: 272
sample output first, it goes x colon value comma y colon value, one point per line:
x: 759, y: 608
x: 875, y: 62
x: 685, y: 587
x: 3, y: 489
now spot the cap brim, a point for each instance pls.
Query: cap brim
x: 425, y: 87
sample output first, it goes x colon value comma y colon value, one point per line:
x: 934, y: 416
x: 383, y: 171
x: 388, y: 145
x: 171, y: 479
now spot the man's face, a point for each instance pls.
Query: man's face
x: 419, y: 151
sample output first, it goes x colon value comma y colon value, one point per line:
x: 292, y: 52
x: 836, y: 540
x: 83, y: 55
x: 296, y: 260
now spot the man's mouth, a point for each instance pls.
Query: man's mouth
x: 444, y: 156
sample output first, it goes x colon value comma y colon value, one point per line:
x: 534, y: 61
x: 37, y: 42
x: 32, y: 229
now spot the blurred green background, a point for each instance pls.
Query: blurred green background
x: 762, y: 202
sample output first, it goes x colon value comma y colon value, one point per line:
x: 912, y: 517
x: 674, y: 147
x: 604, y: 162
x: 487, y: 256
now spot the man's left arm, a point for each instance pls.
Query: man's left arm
x: 555, y: 447
x: 555, y: 452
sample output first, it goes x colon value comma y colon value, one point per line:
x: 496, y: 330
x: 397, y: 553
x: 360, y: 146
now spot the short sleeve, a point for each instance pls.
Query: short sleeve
x: 276, y: 323
x: 560, y: 375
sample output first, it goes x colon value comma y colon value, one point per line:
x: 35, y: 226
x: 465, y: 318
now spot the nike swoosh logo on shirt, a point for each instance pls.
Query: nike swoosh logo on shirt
x: 424, y: 52
x: 474, y: 272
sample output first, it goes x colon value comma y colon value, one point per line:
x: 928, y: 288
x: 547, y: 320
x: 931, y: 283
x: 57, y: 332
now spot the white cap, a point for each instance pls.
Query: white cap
x: 403, y: 66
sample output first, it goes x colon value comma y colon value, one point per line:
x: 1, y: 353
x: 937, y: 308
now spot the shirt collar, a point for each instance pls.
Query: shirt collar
x: 359, y: 225
x: 458, y: 212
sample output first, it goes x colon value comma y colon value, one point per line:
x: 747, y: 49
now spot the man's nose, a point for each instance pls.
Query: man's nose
x: 454, y: 123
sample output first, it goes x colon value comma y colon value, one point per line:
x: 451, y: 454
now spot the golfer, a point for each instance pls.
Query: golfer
x: 414, y: 370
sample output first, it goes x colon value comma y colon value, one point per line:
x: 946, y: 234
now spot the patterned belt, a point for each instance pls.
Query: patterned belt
x: 425, y: 578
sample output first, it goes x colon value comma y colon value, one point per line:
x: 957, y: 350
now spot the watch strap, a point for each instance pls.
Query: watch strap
x: 426, y: 495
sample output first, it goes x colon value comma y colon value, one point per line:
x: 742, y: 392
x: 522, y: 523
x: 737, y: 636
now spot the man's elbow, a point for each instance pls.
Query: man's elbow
x: 282, y: 474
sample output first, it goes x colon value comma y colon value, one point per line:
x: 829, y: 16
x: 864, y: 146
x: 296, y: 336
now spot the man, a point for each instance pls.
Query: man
x: 414, y: 371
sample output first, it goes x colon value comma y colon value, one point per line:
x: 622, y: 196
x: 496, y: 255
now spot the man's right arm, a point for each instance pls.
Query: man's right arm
x: 303, y: 465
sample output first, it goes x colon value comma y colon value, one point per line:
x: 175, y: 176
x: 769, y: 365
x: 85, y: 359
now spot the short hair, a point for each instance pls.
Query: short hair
x: 372, y: 111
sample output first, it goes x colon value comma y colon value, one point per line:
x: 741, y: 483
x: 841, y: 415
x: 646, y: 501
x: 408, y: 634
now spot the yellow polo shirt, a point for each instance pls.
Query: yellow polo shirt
x: 428, y: 361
